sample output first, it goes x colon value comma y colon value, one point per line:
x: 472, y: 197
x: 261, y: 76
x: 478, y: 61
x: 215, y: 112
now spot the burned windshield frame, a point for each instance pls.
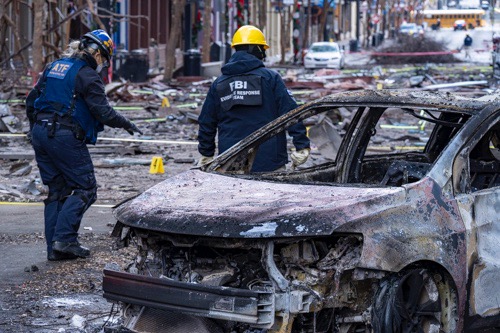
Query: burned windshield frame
x: 238, y: 159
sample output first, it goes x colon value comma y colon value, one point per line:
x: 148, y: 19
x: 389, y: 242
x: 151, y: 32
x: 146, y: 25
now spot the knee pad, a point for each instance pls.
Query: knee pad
x: 57, y: 189
x: 88, y: 196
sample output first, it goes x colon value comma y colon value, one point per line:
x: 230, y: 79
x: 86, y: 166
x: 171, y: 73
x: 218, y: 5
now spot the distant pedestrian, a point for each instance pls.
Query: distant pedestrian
x: 66, y: 109
x: 467, y: 45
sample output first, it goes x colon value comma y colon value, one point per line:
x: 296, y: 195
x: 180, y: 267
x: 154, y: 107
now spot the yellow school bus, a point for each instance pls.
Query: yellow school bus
x: 447, y: 17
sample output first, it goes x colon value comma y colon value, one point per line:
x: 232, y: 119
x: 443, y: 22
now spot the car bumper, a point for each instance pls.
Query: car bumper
x: 247, y: 306
x: 336, y: 63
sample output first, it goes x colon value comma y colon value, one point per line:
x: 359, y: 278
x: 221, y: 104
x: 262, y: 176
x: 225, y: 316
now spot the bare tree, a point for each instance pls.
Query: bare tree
x: 95, y: 16
x: 262, y: 13
x: 305, y: 37
x: 173, y: 39
x: 38, y: 33
x: 3, y: 29
x: 207, y: 31
x: 286, y: 21
x: 11, y: 21
x: 46, y: 32
x: 322, y: 20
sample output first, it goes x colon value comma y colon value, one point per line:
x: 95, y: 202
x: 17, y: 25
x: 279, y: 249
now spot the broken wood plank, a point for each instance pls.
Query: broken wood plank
x: 120, y: 162
x: 17, y: 156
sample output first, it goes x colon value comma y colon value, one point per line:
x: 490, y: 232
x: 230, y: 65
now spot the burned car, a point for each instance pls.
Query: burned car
x: 394, y: 228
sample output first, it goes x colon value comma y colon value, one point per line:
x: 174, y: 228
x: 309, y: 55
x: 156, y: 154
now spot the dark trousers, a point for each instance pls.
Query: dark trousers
x: 66, y: 168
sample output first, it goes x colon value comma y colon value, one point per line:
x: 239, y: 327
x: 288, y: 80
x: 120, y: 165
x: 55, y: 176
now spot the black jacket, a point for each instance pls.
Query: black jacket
x: 246, y: 97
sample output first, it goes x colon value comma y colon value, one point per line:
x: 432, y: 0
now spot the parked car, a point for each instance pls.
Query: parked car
x: 324, y: 55
x: 485, y: 4
x: 411, y: 29
x: 459, y: 25
x: 381, y: 231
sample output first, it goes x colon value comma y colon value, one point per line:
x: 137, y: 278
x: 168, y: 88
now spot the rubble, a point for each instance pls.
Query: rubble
x: 424, y: 50
x: 168, y: 116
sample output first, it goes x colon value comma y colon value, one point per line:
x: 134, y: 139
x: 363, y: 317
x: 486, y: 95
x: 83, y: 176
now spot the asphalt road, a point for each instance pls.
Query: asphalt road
x: 23, y: 219
x: 18, y: 220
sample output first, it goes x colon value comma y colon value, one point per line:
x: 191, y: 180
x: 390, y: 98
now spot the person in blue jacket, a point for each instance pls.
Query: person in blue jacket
x: 66, y: 110
x: 244, y: 98
x: 467, y: 45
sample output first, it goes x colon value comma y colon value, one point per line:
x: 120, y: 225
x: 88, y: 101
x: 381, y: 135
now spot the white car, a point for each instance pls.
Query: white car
x: 411, y: 29
x: 324, y: 55
x: 459, y: 25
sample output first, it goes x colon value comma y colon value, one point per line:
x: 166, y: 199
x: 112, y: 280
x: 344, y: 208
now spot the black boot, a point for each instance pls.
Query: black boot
x: 56, y: 256
x: 71, y: 248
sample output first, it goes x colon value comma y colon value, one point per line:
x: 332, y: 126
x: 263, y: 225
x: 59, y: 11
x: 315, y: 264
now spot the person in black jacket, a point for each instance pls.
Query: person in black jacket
x: 66, y: 110
x: 244, y: 98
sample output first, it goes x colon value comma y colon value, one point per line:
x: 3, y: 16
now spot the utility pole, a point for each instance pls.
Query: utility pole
x: 492, y: 14
x: 305, y: 40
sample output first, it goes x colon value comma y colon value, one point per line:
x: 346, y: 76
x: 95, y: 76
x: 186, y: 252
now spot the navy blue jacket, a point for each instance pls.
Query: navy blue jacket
x: 246, y: 97
x: 468, y: 41
x: 89, y: 87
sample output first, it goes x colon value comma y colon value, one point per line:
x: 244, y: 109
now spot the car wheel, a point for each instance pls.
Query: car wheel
x: 418, y: 300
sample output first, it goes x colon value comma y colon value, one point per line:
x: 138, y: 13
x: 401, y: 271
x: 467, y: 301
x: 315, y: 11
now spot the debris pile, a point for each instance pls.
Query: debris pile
x: 167, y: 114
x: 413, y: 50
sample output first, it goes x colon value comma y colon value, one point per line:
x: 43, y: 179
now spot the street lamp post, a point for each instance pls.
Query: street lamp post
x: 187, y: 25
x: 358, y: 14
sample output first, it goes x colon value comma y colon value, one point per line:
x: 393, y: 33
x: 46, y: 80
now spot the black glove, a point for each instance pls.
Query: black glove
x: 29, y: 137
x: 133, y: 129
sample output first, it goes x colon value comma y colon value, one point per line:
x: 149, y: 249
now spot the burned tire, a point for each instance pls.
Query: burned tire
x: 418, y: 300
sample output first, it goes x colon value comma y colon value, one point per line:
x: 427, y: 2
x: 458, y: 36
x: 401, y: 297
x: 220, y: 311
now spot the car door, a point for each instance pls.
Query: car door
x: 476, y: 174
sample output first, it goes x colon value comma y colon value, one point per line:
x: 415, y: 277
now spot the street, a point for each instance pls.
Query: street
x: 482, y: 38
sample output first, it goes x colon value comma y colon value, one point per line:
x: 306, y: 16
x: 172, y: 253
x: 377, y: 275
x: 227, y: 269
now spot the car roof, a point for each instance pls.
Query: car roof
x: 386, y: 98
x: 323, y: 43
x: 452, y: 11
x: 408, y: 98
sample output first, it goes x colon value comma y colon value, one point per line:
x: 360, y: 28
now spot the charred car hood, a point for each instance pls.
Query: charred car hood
x: 207, y: 204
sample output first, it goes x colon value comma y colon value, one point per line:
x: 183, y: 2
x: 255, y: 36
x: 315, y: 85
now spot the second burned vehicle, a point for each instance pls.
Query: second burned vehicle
x: 389, y: 231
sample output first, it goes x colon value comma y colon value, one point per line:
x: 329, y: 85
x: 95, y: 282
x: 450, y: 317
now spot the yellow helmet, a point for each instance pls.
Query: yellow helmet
x: 248, y: 34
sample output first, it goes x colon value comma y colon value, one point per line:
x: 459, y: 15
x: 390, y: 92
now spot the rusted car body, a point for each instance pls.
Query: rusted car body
x: 396, y: 233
